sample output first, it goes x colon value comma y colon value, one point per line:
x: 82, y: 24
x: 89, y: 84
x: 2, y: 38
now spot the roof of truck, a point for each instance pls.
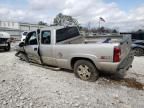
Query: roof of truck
x: 55, y: 27
x: 52, y: 27
x: 4, y: 35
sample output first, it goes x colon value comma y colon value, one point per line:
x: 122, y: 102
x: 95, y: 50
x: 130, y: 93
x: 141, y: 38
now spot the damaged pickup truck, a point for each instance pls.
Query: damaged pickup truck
x: 64, y: 47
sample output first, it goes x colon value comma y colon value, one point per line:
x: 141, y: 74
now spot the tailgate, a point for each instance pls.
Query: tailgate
x: 127, y: 55
x: 125, y: 46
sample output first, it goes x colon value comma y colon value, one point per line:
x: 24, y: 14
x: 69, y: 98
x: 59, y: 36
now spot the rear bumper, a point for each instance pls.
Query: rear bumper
x: 119, y: 67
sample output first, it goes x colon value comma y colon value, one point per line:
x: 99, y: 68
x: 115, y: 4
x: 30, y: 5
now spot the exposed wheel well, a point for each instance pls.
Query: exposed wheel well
x: 73, y: 61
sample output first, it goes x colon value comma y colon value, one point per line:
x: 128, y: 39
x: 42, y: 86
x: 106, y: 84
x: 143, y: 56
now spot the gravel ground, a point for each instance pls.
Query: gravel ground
x: 27, y: 86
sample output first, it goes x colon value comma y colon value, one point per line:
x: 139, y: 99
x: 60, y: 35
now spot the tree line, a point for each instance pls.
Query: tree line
x: 65, y: 20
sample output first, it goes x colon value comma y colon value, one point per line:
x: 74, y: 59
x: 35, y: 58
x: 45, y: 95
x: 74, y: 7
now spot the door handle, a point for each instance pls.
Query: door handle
x: 35, y: 49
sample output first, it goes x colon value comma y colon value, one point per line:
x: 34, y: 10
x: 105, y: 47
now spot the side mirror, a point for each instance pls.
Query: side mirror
x: 21, y: 44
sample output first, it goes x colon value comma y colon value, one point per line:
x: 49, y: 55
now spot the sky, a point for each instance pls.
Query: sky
x: 127, y: 4
x: 124, y: 15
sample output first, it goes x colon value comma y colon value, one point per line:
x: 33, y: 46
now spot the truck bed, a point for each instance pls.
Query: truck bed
x: 87, y: 40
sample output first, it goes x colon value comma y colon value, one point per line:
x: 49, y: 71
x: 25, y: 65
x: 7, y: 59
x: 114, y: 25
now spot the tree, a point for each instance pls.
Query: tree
x: 114, y: 31
x: 89, y: 26
x: 65, y: 20
x: 101, y: 30
x: 140, y: 30
x: 42, y: 23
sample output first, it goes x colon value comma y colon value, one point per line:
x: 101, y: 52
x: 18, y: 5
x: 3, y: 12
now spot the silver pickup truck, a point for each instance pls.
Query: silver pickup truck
x: 64, y: 47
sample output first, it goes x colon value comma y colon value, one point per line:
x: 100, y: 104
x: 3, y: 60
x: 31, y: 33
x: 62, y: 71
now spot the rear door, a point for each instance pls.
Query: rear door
x: 46, y: 48
x: 31, y: 47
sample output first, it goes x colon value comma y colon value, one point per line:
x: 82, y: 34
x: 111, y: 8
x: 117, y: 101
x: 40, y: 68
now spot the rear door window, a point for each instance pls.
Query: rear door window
x: 46, y: 37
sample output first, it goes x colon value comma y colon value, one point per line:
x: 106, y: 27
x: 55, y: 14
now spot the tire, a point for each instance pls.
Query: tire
x: 86, y: 70
x: 138, y: 51
x: 7, y: 48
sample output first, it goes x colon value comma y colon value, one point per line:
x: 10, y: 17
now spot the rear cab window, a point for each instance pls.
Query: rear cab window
x: 66, y: 33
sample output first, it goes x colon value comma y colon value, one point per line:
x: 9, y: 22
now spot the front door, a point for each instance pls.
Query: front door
x: 31, y: 47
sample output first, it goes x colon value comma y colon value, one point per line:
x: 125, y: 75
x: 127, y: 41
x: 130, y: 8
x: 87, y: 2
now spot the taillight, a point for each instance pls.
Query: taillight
x: 117, y: 53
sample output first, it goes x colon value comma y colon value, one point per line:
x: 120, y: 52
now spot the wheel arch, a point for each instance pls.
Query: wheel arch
x: 75, y: 59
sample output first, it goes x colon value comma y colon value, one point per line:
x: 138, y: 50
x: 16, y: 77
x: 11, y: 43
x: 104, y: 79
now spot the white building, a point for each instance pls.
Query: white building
x: 8, y: 24
x: 29, y: 27
x: 15, y: 28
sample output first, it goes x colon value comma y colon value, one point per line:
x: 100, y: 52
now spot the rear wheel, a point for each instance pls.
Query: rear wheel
x: 138, y: 51
x: 86, y: 70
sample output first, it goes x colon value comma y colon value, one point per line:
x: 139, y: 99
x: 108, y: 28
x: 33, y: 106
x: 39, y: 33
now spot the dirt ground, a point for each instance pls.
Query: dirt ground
x: 24, y: 85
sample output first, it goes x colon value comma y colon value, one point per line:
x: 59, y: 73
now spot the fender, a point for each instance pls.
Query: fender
x: 93, y: 58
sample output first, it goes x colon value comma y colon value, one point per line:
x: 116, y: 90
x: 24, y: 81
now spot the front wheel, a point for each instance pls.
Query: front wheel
x: 86, y: 70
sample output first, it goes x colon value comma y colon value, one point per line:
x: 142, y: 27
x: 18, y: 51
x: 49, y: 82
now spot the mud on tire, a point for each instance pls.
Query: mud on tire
x: 86, y: 70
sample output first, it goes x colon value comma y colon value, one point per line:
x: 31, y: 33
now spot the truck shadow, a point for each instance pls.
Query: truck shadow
x: 107, y: 78
x: 66, y: 70
x: 3, y: 51
x: 118, y: 80
x: 128, y: 82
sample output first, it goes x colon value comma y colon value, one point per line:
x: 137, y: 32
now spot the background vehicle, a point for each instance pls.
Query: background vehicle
x: 64, y: 47
x: 138, y: 36
x: 135, y: 35
x: 138, y: 47
x: 23, y: 36
x: 5, y: 41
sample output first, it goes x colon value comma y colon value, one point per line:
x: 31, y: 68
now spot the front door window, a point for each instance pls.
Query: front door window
x: 31, y: 38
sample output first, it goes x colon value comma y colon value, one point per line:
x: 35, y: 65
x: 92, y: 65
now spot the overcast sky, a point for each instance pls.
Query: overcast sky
x: 125, y: 15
